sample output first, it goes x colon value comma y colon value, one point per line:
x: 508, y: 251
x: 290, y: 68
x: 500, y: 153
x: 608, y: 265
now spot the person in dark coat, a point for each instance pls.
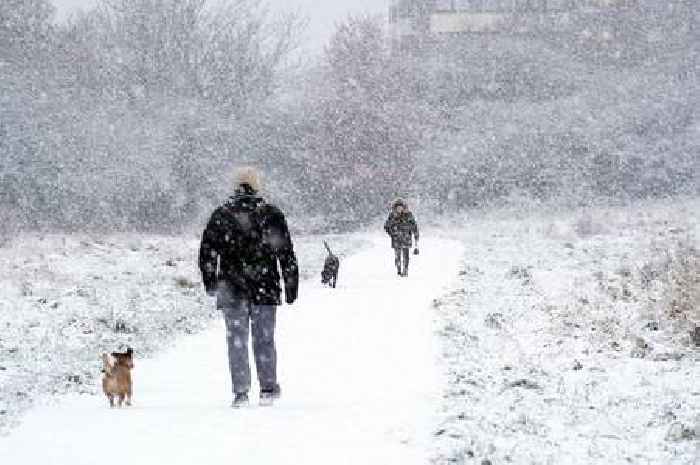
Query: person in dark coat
x: 241, y: 247
x: 402, y: 227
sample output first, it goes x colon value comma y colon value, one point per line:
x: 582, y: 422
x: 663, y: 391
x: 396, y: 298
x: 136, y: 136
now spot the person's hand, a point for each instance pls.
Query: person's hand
x: 290, y: 295
x: 415, y: 251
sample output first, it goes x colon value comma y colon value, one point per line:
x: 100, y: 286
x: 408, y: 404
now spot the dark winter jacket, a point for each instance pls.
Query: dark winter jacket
x: 402, y: 227
x: 243, y: 242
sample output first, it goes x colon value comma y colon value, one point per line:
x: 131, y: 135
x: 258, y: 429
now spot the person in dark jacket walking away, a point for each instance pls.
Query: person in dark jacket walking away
x: 402, y: 227
x: 241, y: 247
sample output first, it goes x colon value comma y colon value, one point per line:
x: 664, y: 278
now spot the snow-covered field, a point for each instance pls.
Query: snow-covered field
x: 66, y: 299
x: 518, y: 338
x: 356, y: 367
x: 556, y: 352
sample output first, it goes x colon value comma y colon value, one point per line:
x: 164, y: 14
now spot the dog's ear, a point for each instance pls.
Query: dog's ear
x: 129, y: 357
x: 107, y: 364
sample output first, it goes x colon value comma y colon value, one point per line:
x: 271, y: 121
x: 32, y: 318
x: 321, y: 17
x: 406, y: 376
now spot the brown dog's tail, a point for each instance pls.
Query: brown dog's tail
x: 327, y: 248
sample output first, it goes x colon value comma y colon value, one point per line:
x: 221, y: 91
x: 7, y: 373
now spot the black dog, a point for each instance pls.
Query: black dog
x: 329, y: 275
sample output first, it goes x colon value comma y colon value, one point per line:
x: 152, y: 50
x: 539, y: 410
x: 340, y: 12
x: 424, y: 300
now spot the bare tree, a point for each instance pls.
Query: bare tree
x: 367, y: 124
x: 228, y: 54
x: 123, y: 115
x: 25, y: 28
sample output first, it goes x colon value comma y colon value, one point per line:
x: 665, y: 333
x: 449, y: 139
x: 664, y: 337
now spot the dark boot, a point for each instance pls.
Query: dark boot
x: 269, y: 395
x: 240, y: 400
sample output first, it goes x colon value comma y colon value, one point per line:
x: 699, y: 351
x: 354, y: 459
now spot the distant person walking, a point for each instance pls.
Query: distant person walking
x: 402, y: 227
x: 238, y: 257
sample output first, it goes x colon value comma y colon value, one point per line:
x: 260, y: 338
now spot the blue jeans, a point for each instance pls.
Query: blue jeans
x: 241, y: 316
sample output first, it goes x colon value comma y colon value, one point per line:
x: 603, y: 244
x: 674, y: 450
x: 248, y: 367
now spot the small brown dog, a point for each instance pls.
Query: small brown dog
x: 116, y: 381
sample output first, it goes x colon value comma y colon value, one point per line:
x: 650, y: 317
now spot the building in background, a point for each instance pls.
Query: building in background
x: 416, y: 23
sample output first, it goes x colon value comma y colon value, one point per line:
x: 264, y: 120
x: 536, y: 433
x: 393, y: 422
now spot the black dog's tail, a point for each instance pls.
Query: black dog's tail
x: 327, y: 248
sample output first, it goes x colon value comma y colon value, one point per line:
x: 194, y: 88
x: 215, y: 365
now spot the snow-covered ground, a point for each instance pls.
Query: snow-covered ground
x: 356, y: 366
x: 554, y: 351
x: 518, y: 338
x: 66, y: 299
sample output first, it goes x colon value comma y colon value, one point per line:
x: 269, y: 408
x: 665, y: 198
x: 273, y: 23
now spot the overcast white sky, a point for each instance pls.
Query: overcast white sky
x: 322, y: 14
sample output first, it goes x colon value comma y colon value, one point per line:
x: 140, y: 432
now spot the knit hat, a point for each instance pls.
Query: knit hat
x: 399, y: 202
x: 249, y: 176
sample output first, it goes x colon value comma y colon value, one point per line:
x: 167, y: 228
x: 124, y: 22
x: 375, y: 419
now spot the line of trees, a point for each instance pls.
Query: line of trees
x: 133, y: 114
x: 126, y: 115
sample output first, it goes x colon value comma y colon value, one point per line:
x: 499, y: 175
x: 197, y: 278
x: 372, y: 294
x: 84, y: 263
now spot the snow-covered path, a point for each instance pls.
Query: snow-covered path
x: 356, y: 364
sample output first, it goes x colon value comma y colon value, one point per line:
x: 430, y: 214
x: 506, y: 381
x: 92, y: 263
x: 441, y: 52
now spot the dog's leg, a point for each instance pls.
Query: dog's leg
x: 128, y: 396
x: 111, y: 400
x: 121, y: 400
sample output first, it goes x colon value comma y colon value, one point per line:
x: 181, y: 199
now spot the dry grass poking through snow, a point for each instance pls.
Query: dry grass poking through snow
x: 571, y: 338
x: 65, y: 299
x: 681, y: 284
